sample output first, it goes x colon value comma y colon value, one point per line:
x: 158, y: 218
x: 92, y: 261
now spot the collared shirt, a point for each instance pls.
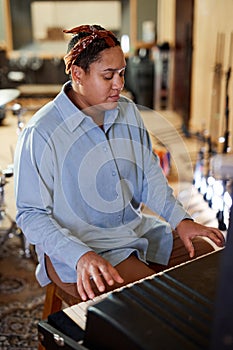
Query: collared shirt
x: 80, y: 187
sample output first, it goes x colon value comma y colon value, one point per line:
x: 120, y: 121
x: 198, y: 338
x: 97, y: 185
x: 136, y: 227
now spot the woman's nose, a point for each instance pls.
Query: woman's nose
x: 118, y: 82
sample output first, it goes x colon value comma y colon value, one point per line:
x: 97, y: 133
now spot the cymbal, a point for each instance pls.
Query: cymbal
x: 8, y: 95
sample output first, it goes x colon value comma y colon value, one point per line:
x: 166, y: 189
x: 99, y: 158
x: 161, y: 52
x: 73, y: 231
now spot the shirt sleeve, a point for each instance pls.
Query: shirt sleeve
x: 34, y: 191
x: 157, y: 194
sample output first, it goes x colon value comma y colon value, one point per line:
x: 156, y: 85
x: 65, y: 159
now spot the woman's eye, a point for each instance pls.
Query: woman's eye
x: 108, y: 77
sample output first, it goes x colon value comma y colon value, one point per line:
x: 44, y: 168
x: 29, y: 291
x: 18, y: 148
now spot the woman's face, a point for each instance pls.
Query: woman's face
x: 102, y: 84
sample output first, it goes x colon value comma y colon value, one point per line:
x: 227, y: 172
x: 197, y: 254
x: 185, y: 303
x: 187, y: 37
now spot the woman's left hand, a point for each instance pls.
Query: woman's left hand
x: 188, y: 229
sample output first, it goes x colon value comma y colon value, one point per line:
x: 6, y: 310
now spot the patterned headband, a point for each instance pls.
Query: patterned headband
x: 82, y: 43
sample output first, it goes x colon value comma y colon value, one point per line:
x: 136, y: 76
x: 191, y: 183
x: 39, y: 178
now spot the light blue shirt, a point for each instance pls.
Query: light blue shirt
x: 80, y: 188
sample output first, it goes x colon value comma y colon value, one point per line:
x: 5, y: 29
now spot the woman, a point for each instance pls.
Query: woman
x: 83, y: 168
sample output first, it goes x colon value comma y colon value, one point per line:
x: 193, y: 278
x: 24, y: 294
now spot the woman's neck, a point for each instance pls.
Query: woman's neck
x: 96, y: 114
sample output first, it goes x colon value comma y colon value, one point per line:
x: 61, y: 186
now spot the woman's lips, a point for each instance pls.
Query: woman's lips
x: 114, y: 98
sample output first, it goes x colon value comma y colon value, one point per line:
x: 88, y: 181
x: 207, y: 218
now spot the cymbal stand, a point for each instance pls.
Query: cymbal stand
x: 18, y: 111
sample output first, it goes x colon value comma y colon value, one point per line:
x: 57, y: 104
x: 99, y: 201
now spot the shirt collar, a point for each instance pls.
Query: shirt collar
x: 73, y: 116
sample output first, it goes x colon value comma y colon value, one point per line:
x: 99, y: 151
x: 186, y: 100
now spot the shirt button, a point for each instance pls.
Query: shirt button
x: 105, y: 149
x: 113, y: 173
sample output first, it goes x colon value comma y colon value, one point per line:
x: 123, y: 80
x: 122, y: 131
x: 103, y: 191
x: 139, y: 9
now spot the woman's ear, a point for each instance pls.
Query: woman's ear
x: 76, y: 73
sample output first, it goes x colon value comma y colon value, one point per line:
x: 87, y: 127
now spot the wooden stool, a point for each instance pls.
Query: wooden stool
x: 54, y: 298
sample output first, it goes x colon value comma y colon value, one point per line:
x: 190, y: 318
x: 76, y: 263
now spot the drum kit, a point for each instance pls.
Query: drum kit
x: 7, y: 96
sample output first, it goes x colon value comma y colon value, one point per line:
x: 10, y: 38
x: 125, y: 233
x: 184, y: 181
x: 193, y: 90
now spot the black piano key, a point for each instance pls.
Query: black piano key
x: 201, y: 276
x: 116, y: 323
x: 183, y: 315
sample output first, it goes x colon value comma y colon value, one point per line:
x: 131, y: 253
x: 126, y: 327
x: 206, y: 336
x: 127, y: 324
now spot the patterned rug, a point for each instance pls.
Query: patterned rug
x: 21, y: 298
x: 19, y: 325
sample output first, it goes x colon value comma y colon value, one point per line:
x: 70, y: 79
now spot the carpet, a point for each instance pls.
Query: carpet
x: 21, y: 298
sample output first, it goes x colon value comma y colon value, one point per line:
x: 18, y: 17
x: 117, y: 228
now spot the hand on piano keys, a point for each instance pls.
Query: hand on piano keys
x: 173, y: 308
x: 78, y: 312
